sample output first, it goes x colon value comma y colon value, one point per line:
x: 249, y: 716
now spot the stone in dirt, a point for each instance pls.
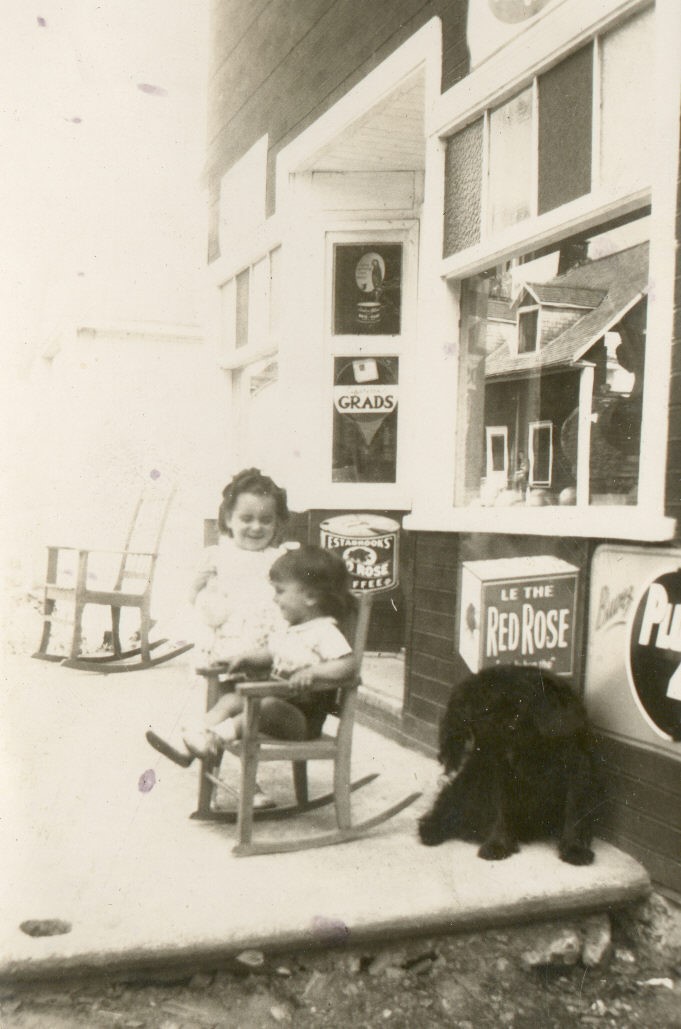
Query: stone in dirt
x: 597, y: 940
x: 556, y: 947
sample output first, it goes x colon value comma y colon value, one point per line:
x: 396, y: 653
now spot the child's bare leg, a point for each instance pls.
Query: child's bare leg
x: 226, y: 707
x: 278, y: 718
x: 199, y: 738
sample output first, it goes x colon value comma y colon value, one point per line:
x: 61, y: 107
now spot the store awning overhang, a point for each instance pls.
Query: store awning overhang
x: 389, y: 136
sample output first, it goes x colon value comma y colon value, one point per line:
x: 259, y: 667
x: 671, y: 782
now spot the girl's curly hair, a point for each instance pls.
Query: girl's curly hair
x: 321, y: 571
x: 251, y: 480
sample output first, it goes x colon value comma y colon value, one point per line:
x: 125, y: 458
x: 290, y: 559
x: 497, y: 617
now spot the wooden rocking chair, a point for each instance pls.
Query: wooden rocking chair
x: 255, y: 747
x: 71, y: 581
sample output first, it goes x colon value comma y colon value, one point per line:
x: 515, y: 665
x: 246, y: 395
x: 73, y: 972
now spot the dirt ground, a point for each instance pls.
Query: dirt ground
x: 467, y: 981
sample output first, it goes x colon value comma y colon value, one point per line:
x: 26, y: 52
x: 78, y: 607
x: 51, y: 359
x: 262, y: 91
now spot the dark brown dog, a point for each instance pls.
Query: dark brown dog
x: 519, y: 742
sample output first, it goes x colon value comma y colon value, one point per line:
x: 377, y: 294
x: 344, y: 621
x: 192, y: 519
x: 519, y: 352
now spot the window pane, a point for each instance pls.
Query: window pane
x: 365, y: 419
x: 258, y: 303
x: 550, y: 397
x: 510, y: 162
x: 463, y: 178
x: 242, y: 308
x: 565, y: 102
x: 275, y: 293
x: 227, y: 316
x: 626, y: 104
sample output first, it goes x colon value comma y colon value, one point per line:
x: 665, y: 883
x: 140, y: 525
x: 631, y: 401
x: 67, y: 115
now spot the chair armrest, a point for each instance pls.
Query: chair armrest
x: 121, y: 553
x: 282, y: 688
x: 103, y: 550
x: 218, y: 669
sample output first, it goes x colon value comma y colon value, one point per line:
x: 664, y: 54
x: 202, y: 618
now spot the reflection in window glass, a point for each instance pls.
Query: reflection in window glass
x: 550, y: 405
x: 365, y: 396
x: 510, y: 162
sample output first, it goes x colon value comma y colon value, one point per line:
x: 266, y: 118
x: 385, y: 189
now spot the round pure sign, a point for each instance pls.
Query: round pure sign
x: 655, y: 654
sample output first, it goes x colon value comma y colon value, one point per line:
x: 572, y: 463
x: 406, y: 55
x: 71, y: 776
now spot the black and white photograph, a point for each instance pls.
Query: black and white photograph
x: 340, y: 544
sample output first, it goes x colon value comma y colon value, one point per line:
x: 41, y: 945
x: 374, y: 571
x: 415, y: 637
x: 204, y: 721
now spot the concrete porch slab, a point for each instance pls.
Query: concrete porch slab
x: 143, y: 886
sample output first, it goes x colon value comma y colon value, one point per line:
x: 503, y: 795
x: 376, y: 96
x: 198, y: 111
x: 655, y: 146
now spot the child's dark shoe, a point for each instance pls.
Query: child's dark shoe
x: 176, y: 752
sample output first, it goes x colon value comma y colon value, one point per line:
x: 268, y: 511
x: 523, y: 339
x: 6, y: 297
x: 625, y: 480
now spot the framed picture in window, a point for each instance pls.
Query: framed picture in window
x: 367, y: 289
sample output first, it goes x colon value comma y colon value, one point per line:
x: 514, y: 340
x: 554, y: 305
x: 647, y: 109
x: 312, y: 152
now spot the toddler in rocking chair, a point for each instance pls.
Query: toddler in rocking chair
x: 311, y: 589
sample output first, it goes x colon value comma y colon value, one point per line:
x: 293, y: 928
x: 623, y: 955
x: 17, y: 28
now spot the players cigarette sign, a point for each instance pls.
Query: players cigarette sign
x: 655, y: 653
x: 633, y: 669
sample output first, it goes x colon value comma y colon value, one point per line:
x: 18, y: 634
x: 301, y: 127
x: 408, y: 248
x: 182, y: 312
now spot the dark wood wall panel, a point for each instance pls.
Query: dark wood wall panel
x: 642, y: 810
x: 433, y: 663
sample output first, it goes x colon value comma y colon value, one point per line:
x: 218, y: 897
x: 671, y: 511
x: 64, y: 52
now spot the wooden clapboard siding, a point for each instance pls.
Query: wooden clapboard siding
x: 642, y: 809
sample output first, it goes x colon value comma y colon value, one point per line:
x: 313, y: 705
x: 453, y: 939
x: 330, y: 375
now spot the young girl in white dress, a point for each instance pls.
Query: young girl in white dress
x: 232, y: 597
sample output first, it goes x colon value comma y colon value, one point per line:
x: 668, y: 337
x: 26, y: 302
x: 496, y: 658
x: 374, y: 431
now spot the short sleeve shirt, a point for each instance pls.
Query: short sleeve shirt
x: 308, y: 643
x: 320, y: 639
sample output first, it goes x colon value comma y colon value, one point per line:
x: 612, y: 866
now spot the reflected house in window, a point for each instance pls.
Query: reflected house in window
x: 565, y: 387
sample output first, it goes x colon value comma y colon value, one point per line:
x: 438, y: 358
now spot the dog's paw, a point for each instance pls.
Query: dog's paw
x: 575, y: 854
x: 430, y: 832
x: 497, y: 850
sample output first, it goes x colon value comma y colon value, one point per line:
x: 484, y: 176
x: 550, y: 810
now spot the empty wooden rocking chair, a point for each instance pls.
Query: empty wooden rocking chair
x: 255, y: 747
x: 72, y: 582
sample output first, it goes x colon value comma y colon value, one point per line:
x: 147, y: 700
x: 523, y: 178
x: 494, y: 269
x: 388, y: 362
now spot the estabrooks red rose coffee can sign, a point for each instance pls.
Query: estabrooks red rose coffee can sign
x: 368, y: 544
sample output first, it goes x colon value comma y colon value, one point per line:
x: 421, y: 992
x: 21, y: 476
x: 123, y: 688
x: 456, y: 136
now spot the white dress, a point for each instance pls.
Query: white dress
x: 235, y: 611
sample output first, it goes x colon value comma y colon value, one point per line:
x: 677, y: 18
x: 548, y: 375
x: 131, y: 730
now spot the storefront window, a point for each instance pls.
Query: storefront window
x: 365, y: 419
x: 551, y: 375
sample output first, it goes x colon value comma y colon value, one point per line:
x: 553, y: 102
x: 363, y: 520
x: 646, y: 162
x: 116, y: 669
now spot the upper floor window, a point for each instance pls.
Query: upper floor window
x: 250, y: 307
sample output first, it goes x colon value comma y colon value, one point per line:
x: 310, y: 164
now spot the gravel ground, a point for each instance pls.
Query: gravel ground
x: 466, y: 981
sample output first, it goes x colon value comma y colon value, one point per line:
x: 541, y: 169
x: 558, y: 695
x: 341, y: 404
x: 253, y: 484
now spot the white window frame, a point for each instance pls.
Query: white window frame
x: 564, y: 30
x: 402, y: 346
